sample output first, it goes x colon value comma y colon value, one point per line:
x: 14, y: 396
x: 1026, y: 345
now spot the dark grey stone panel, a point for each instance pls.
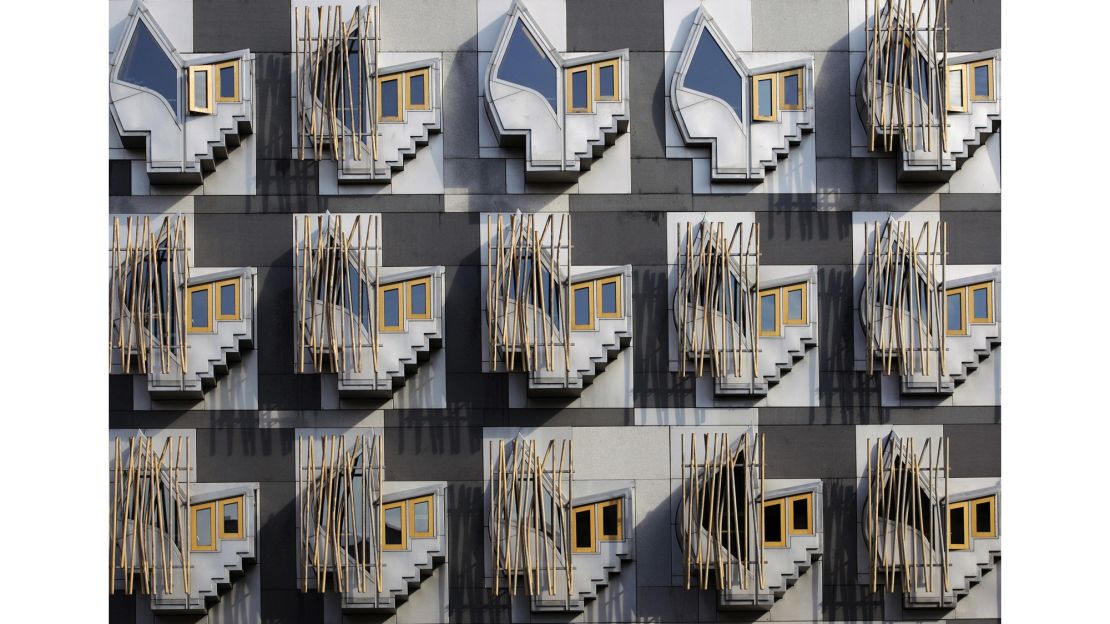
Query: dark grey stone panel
x: 833, y: 110
x: 226, y: 25
x: 474, y: 175
x: 460, y: 105
x: 853, y: 393
x: 602, y: 25
x: 121, y: 607
x: 451, y: 417
x: 662, y: 389
x: 974, y: 25
x: 851, y: 602
x: 477, y: 390
x: 649, y: 318
x: 463, y: 319
x: 800, y: 451
x: 232, y: 455
x: 970, y: 202
x: 288, y: 392
x: 571, y: 417
x: 418, y: 239
x: 805, y: 237
x: 120, y: 395
x: 974, y: 237
x: 274, y: 325
x: 277, y: 512
x: 256, y: 204
x: 839, y: 560
x: 975, y: 450
x: 945, y: 415
x: 661, y: 175
x: 290, y: 606
x: 624, y: 203
x: 433, y: 453
x: 233, y: 240
x: 636, y: 238
x: 835, y: 318
x: 119, y: 177
x: 847, y: 175
x: 287, y: 177
x: 465, y: 536
x: 383, y: 203
x: 273, y: 112
x: 750, y: 202
x: 477, y: 605
x: 647, y: 91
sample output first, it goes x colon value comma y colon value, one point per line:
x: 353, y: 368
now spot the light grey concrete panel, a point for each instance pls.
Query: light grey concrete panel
x: 800, y: 25
x: 429, y: 25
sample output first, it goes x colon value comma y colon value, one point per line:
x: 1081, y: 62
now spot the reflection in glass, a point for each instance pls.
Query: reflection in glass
x: 146, y: 64
x: 790, y: 90
x: 608, y: 84
x: 766, y: 105
x: 227, y: 81
x: 391, y: 304
x: 957, y: 524
x: 200, y: 89
x: 610, y: 523
x: 772, y: 523
x: 418, y: 298
x: 525, y: 64
x: 583, y: 525
x: 794, y: 305
x: 394, y: 526
x: 391, y: 99
x: 983, y: 517
x: 198, y: 305
x: 227, y: 300
x: 203, y: 526
x: 955, y: 311
x: 609, y: 298
x: 416, y: 89
x: 420, y: 517
x: 982, y: 81
x: 956, y: 87
x: 582, y: 306
x: 767, y: 309
x: 231, y: 518
x: 799, y: 514
x: 711, y: 72
x: 579, y: 90
x: 979, y: 304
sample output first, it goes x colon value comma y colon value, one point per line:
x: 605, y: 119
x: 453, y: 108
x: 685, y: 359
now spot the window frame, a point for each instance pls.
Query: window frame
x: 382, y: 289
x: 193, y: 510
x: 220, y: 523
x: 427, y: 314
x: 786, y: 290
x: 412, y: 502
x: 574, y: 547
x: 599, y: 312
x: 568, y: 81
x: 193, y: 107
x: 962, y: 105
x: 801, y: 105
x: 234, y: 63
x: 974, y: 532
x: 989, y: 318
x: 401, y: 95
x: 216, y: 288
x: 966, y: 544
x: 808, y: 497
x: 403, y: 506
x: 773, y: 78
x: 777, y: 502
x: 963, y: 330
x: 989, y: 64
x: 616, y: 65
x: 574, y: 288
x: 427, y: 105
x: 194, y: 329
x: 601, y: 534
x: 777, y: 331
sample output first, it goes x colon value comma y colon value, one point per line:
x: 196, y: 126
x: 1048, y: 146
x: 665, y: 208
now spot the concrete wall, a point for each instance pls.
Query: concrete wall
x: 799, y: 228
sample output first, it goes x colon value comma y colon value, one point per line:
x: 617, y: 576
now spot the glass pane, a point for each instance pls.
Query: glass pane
x: 231, y: 517
x: 766, y: 107
x: 582, y: 306
x: 420, y: 518
x: 956, y: 522
x: 392, y: 307
x: 146, y: 64
x: 955, y: 311
x: 583, y: 519
x: 227, y: 300
x: 979, y: 306
x: 525, y: 64
x: 772, y: 523
x: 799, y: 514
x: 227, y: 81
x: 794, y: 305
x: 418, y: 298
x: 416, y: 89
x: 579, y: 89
x: 607, y: 78
x: 609, y: 298
x: 199, y: 308
x: 394, y: 523
x: 200, y: 89
x: 956, y: 87
x: 203, y: 526
x: 390, y: 99
x: 983, y: 517
x: 982, y: 81
x: 610, y: 524
x: 790, y: 89
x: 711, y: 72
x: 768, y: 306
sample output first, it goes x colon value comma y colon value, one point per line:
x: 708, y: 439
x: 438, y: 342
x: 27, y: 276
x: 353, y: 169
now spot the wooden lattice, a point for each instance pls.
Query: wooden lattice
x: 150, y: 524
x: 146, y: 293
x: 716, y: 302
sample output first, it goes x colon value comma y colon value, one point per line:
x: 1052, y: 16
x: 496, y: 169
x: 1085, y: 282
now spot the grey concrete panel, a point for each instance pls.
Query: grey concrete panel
x: 223, y: 25
x: 418, y: 239
x: 602, y: 25
x: 835, y: 318
x: 647, y: 90
x: 571, y: 417
x: 852, y: 393
x: 287, y: 177
x: 974, y: 25
x: 799, y: 451
x: 614, y: 238
x: 800, y: 25
x: 433, y: 453
x: 847, y: 175
x: 229, y: 455
x: 974, y: 237
x: 473, y: 175
x: 256, y: 204
x: 477, y: 390
x: 806, y: 237
x: 273, y: 106
x: 274, y: 324
x: 851, y: 602
x: 623, y: 203
x: 476, y: 604
x: 462, y: 333
x: 975, y: 450
x: 839, y: 560
x: 662, y: 388
x: 277, y: 514
x: 290, y: 606
x: 833, y: 124
x: 383, y: 203
x: 661, y: 175
x: 119, y: 177
x: 649, y: 303
x: 429, y: 25
x: 460, y: 105
x: 945, y: 415
x: 969, y: 202
x: 230, y: 240
x: 465, y: 538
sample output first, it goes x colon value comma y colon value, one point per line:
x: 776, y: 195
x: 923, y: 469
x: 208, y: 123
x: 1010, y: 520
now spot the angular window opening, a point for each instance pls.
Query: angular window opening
x: 204, y: 527
x: 763, y: 97
x: 423, y: 520
x: 199, y: 304
x: 394, y: 535
x: 796, y: 311
x: 774, y: 524
x: 389, y: 308
x: 526, y: 64
x: 983, y: 517
x: 801, y: 514
x: 418, y: 298
x: 201, y: 85
x: 608, y: 89
x: 712, y: 72
x: 231, y: 518
x: 957, y: 89
x: 955, y: 308
x: 981, y: 76
x: 417, y: 91
x: 957, y: 526
x: 791, y: 95
x: 582, y: 519
x: 227, y: 293
x: 389, y: 98
x: 982, y: 302
x: 227, y: 82
x: 583, y: 314
x: 609, y: 297
x: 579, y: 98
x: 769, y: 312
x: 147, y: 65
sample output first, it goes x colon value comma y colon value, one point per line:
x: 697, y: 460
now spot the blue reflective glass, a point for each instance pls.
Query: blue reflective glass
x: 609, y: 298
x: 579, y: 89
x: 391, y: 305
x: 146, y: 64
x: 525, y: 64
x: 418, y: 298
x: 768, y: 305
x: 955, y: 312
x: 394, y: 526
x: 766, y: 105
x: 790, y: 90
x: 982, y: 81
x: 227, y: 82
x: 227, y: 300
x: 582, y: 306
x: 711, y: 72
x: 979, y: 305
x: 416, y: 89
x: 391, y: 102
x: 607, y: 78
x: 198, y: 307
x: 794, y: 305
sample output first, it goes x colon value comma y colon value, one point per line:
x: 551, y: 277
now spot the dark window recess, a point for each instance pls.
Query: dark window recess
x: 799, y: 514
x: 983, y: 517
x: 231, y: 518
x: 583, y: 523
x: 393, y: 527
x: 526, y: 64
x: 734, y: 539
x: 227, y: 81
x: 956, y: 524
x: 772, y: 523
x: 610, y: 525
x: 146, y: 64
x: 710, y: 71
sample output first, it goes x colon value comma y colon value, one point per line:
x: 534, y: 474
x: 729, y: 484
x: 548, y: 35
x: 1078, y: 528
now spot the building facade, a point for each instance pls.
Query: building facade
x: 554, y: 310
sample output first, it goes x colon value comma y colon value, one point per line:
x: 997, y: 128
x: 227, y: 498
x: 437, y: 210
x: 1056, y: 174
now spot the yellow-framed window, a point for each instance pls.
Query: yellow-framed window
x: 792, y: 89
x: 227, y: 299
x: 231, y: 518
x: 227, y: 81
x: 202, y: 87
x: 579, y: 89
x: 390, y: 308
x: 982, y: 517
x: 957, y: 88
x: 609, y: 297
x: 416, y: 90
x: 203, y: 530
x: 957, y: 526
x: 955, y: 307
x: 391, y: 97
x: 801, y: 514
x: 795, y: 304
x: 769, y: 311
x: 198, y: 308
x: 980, y: 301
x: 610, y: 519
x: 980, y: 79
x: 765, y: 97
x: 418, y: 298
x: 422, y: 516
x: 774, y: 523
x: 607, y: 81
x: 582, y: 306
x: 394, y: 526
x: 582, y: 525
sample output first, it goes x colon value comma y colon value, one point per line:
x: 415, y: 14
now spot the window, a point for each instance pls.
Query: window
x: 954, y: 298
x: 417, y: 290
x: 610, y: 514
x: 792, y: 91
x: 389, y: 98
x: 231, y: 518
x: 957, y: 88
x: 394, y: 527
x: 579, y: 98
x: 713, y: 73
x: 774, y: 523
x: 147, y: 65
x: 957, y: 526
x: 582, y: 316
x: 983, y: 517
x: 416, y: 93
x: 201, y: 87
x: 769, y: 312
x: 966, y: 305
x: 198, y: 308
x: 607, y: 81
x: 227, y: 81
x: 582, y: 529
x: 227, y: 293
x: 389, y: 308
x: 609, y: 297
x: 801, y: 514
x: 422, y: 516
x: 981, y: 78
x: 526, y: 64
x: 982, y: 302
x: 204, y: 527
x: 795, y: 307
x: 763, y: 98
